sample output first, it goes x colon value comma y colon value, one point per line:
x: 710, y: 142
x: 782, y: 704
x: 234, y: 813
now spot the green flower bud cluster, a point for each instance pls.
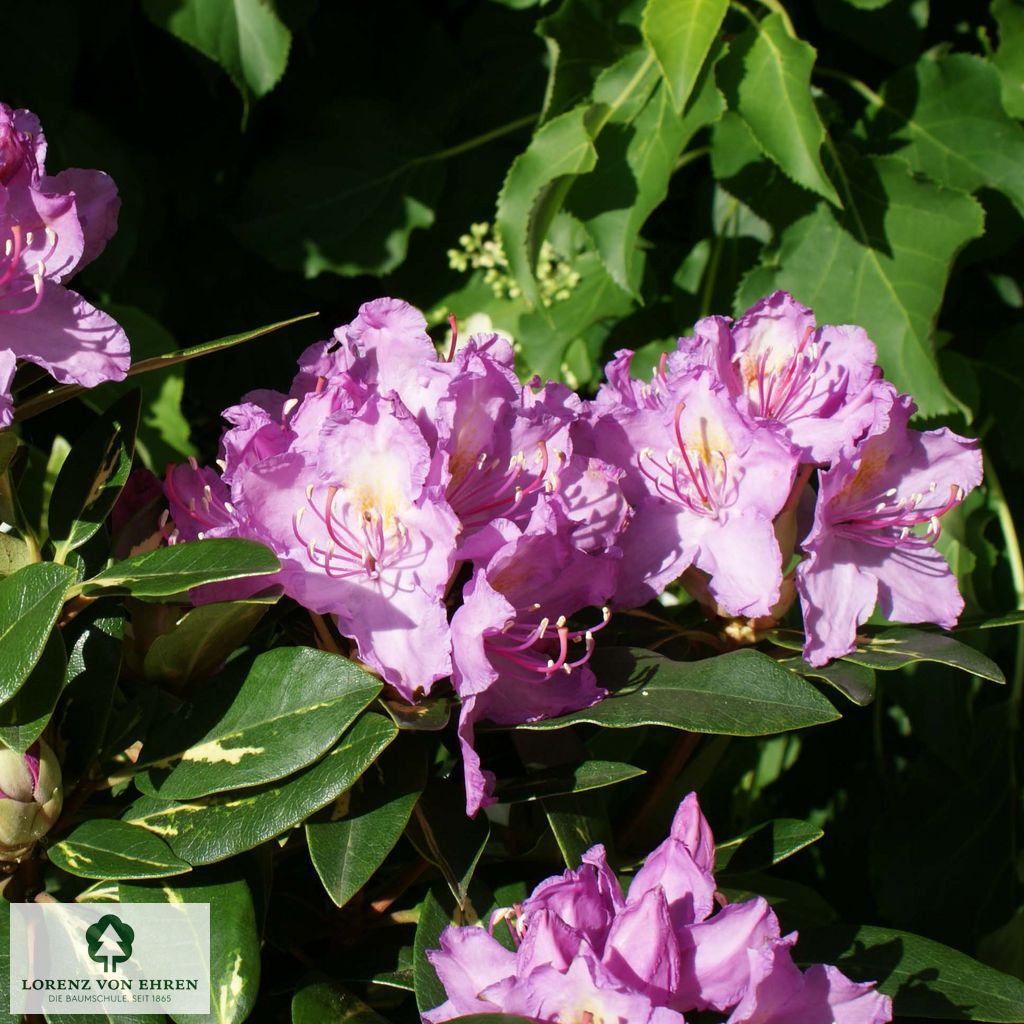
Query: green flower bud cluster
x: 555, y: 276
x: 30, y: 798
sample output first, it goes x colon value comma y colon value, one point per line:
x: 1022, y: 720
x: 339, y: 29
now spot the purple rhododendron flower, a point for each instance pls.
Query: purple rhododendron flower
x: 812, y: 384
x: 586, y: 952
x: 51, y: 227
x: 515, y: 656
x: 875, y: 524
x: 706, y: 484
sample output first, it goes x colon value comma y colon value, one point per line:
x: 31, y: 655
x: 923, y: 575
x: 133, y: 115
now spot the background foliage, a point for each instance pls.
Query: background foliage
x: 643, y: 164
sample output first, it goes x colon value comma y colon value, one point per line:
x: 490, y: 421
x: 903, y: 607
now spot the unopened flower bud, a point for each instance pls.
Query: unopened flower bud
x: 30, y: 797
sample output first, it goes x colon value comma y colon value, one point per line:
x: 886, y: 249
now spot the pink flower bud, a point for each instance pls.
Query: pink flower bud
x: 30, y: 797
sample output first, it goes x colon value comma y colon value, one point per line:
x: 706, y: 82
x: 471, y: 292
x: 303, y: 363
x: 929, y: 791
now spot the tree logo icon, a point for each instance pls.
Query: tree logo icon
x: 110, y: 941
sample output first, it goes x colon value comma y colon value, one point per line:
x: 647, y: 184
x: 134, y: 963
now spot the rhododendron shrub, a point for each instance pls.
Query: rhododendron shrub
x: 650, y: 465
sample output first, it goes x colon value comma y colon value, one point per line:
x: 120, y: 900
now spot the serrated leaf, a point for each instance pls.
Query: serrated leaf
x: 765, y: 845
x: 24, y: 717
x: 744, y: 693
x: 949, y: 117
x: 204, y: 831
x: 92, y: 476
x: 30, y: 602
x: 234, y: 940
x: 323, y: 1002
x: 267, y: 731
x: 925, y: 978
x: 635, y: 165
x: 855, y: 682
x: 559, y: 149
x: 348, y: 850
x: 245, y: 37
x: 202, y: 639
x: 114, y: 849
x: 173, y: 570
x: 681, y: 32
x: 767, y: 79
x: 564, y: 779
x: 1009, y: 58
x: 882, y: 263
x: 901, y: 646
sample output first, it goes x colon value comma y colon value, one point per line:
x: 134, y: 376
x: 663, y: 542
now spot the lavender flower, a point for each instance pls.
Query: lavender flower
x: 51, y: 227
x: 586, y: 952
x: 875, y: 525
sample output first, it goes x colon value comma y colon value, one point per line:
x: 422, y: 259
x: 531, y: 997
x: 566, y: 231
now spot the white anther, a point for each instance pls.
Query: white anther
x: 286, y: 409
x: 192, y: 462
x: 560, y: 622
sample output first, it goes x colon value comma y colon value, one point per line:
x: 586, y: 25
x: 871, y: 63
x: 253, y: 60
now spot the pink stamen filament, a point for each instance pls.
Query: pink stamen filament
x: 889, y: 524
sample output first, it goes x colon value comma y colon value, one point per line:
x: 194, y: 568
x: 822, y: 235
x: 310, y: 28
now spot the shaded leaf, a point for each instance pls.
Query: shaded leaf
x: 432, y: 921
x: 114, y: 849
x: 566, y: 779
x: 205, y: 831
x: 925, y: 978
x: 92, y: 476
x: 901, y: 646
x: 348, y: 850
x: 744, y: 693
x: 202, y: 639
x: 323, y: 1002
x: 1009, y: 58
x: 855, y: 682
x: 578, y: 822
x: 30, y: 602
x: 180, y: 567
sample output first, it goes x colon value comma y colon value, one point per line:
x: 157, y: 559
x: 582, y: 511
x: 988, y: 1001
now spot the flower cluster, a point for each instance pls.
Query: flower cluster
x: 50, y: 228
x: 456, y: 522
x: 383, y: 473
x: 583, y: 951
x: 716, y: 454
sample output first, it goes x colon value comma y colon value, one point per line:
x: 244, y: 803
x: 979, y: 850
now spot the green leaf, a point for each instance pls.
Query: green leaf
x: 30, y: 602
x: 173, y: 570
x: 578, y: 822
x: 103, y: 848
x: 901, y: 646
x: 855, y: 682
x: 680, y: 32
x: 6, y: 1017
x: 1009, y: 58
x: 882, y: 263
x: 234, y: 940
x: 765, y: 845
x: 433, y: 920
x: 245, y: 37
x: 744, y: 693
x: 925, y: 978
x: 767, y: 79
x: 559, y: 149
x: 93, y: 639
x: 441, y: 832
x: 347, y: 850
x: 566, y: 779
x: 92, y: 476
x: 267, y: 731
x: 204, y: 831
x: 323, y: 1002
x: 27, y: 713
x: 949, y: 115
x: 635, y: 165
x: 202, y: 639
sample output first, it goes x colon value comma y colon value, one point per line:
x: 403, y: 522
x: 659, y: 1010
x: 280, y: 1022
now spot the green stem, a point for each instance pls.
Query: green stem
x: 479, y: 140
x: 716, y: 259
x: 690, y: 156
x: 776, y: 8
x: 862, y: 88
